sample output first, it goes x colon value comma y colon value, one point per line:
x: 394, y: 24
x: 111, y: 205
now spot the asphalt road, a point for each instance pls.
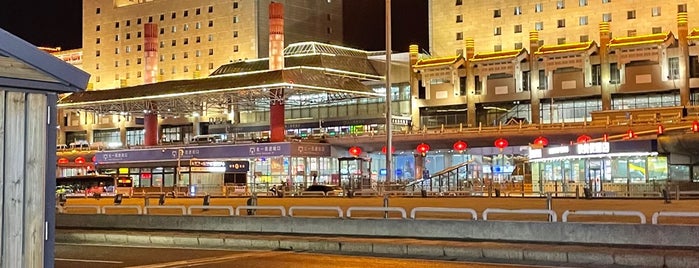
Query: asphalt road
x: 69, y: 256
x: 646, y: 206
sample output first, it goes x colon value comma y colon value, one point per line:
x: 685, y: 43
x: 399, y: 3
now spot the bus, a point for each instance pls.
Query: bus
x: 94, y: 185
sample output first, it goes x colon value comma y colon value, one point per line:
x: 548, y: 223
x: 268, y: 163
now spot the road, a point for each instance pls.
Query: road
x: 68, y: 256
x: 646, y: 206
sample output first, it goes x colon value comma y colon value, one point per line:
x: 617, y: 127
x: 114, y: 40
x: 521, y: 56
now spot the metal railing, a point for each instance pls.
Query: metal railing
x: 552, y: 214
x: 638, y: 214
x: 472, y: 212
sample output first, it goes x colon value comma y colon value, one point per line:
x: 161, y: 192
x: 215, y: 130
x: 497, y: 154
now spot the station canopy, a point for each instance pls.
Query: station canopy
x: 314, y: 74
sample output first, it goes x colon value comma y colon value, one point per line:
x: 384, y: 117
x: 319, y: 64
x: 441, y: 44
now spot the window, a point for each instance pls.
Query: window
x: 116, y: 37
x: 497, y: 48
x: 128, y: 62
x: 657, y: 30
x: 138, y: 48
x: 185, y: 27
x: 198, y: 11
x: 674, y: 68
x: 173, y: 29
x: 235, y: 48
x: 98, y: 40
x: 138, y: 74
x: 561, y: 4
x: 211, y: 9
x: 116, y: 63
x: 97, y: 28
x: 211, y: 38
x: 97, y: 66
x: 631, y: 14
x: 173, y: 56
x: 459, y: 36
x: 518, y: 28
x: 458, y: 3
x: 198, y: 39
x: 631, y: 33
x: 150, y: 19
x: 459, y: 19
x: 97, y: 53
x: 138, y: 61
x: 235, y: 5
x: 235, y: 34
x: 518, y: 45
x: 185, y: 55
x: 174, y: 43
x: 185, y: 41
x: 162, y: 44
x: 211, y: 51
x: 693, y: 66
x: 596, y: 75
x: 138, y: 35
x: 128, y: 49
x: 97, y: 79
x: 561, y: 23
x: 542, y: 79
x: 116, y: 25
x: 518, y: 10
x: 539, y: 26
x: 198, y: 25
x: 606, y: 1
x: 211, y: 23
x: 162, y: 57
x: 235, y: 19
x: 561, y: 41
x: 538, y: 8
x: 607, y: 17
x: 496, y: 13
x: 498, y: 31
x: 682, y: 8
x: 211, y: 65
x: 655, y: 12
x: 583, y: 20
x: 97, y: 11
x: 174, y: 15
x: 128, y: 23
x: 582, y: 3
x: 128, y: 36
x: 584, y: 38
x: 162, y: 17
x: 185, y: 13
x: 197, y: 53
x: 186, y: 69
x: 162, y: 30
x: 614, y: 77
x: 138, y: 21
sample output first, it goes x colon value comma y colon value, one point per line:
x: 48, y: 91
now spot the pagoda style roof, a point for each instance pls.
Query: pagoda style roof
x: 567, y: 48
x: 643, y: 40
x: 694, y: 34
x: 440, y: 61
x: 499, y: 55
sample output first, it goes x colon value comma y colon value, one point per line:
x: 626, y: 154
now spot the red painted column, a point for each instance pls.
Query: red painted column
x: 150, y: 43
x: 276, y: 62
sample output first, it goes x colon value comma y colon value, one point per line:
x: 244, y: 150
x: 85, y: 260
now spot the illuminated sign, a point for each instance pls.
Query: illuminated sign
x: 593, y: 148
x: 534, y: 153
x: 559, y: 150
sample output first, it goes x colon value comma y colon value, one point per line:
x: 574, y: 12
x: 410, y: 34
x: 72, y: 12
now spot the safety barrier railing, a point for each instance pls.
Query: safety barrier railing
x: 472, y: 212
x: 230, y: 209
x: 312, y: 193
x: 138, y: 209
x: 381, y: 209
x: 656, y: 215
x: 281, y: 209
x: 638, y: 214
x: 181, y: 208
x: 316, y: 208
x: 553, y: 217
x: 65, y: 209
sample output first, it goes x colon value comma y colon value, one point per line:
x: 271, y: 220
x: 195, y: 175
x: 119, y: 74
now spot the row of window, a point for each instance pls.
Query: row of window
x: 173, y: 29
x: 173, y: 15
x: 559, y: 41
x: 561, y: 4
x: 139, y: 74
x: 197, y: 53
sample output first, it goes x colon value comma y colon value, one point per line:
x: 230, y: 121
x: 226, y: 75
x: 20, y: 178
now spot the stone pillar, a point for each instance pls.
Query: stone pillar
x: 150, y: 44
x: 150, y: 125
x: 414, y: 54
x: 604, y: 38
x: 419, y: 166
x: 534, y: 100
x: 276, y: 62
x: 470, y: 84
x: 682, y: 32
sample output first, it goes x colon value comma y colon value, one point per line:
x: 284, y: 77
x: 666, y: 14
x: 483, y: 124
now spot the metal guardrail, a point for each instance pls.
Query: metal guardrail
x: 552, y: 214
x: 64, y: 209
x: 182, y: 208
x: 138, y: 208
x: 281, y: 209
x: 659, y: 214
x: 474, y: 214
x: 331, y: 208
x: 381, y: 209
x: 204, y: 208
x: 638, y: 214
x: 312, y: 193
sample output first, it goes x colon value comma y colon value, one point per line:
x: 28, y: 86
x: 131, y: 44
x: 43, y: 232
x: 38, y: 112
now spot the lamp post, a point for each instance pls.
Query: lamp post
x: 389, y: 126
x: 180, y: 152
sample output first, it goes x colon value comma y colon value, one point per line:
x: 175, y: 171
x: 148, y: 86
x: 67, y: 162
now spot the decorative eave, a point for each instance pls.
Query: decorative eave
x: 661, y: 39
x: 567, y: 49
x: 500, y: 56
x: 441, y: 62
x: 693, y: 36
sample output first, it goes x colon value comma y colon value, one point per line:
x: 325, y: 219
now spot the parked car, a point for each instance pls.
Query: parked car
x: 330, y: 190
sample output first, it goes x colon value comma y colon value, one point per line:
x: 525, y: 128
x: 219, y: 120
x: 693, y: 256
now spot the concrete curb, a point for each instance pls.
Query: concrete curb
x: 511, y: 253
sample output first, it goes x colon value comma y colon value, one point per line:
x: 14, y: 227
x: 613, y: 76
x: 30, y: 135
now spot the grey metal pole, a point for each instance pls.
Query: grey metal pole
x: 389, y: 125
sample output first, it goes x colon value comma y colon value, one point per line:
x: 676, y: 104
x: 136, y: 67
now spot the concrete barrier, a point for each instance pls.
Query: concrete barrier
x: 540, y: 232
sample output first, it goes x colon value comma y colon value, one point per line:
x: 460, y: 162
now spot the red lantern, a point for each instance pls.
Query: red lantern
x: 460, y: 146
x: 422, y: 148
x: 661, y: 129
x: 630, y: 134
x: 584, y: 138
x: 80, y: 160
x: 355, y: 151
x: 695, y: 126
x: 541, y: 141
x: 383, y: 150
x: 501, y: 143
x: 63, y: 160
x: 94, y: 158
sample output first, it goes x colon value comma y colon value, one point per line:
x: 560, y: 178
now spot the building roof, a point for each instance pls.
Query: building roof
x: 499, y: 55
x: 302, y: 86
x: 566, y: 48
x: 642, y: 40
x: 441, y: 61
x: 24, y: 66
x: 694, y: 34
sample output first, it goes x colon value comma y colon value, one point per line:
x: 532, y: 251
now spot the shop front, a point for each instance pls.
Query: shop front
x: 623, y: 166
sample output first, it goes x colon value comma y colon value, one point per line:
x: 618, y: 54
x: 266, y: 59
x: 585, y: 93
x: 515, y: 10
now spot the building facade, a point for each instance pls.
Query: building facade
x: 190, y: 39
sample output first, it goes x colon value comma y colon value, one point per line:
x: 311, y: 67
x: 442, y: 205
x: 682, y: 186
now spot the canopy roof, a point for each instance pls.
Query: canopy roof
x: 498, y: 55
x: 643, y: 40
x: 567, y: 48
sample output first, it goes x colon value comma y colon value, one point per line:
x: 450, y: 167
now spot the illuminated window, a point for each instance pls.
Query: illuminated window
x: 497, y: 13
x: 539, y: 26
x: 561, y: 41
x: 235, y: 34
x: 561, y: 4
x: 211, y: 9
x: 185, y: 27
x: 498, y: 31
x: 607, y: 17
x: 198, y: 25
x: 583, y: 20
x: 561, y: 23
x: 458, y: 3
x: 584, y: 38
x: 657, y: 30
x: 518, y: 28
x: 459, y: 36
x: 655, y: 12
x: 518, y: 10
x: 98, y: 40
x: 583, y: 3
x: 538, y: 8
x: 631, y: 14
x: 235, y: 48
x: 631, y: 33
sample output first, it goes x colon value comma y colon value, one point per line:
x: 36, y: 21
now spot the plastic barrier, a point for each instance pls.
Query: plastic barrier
x: 66, y: 208
x: 382, y: 209
x: 146, y: 208
x: 640, y: 215
x: 137, y: 208
x: 280, y: 208
x: 551, y: 213
x: 659, y: 214
x: 294, y: 208
x: 206, y: 207
x: 474, y: 215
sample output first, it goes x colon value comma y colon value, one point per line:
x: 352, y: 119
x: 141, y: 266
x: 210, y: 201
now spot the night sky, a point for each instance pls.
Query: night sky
x: 57, y: 23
